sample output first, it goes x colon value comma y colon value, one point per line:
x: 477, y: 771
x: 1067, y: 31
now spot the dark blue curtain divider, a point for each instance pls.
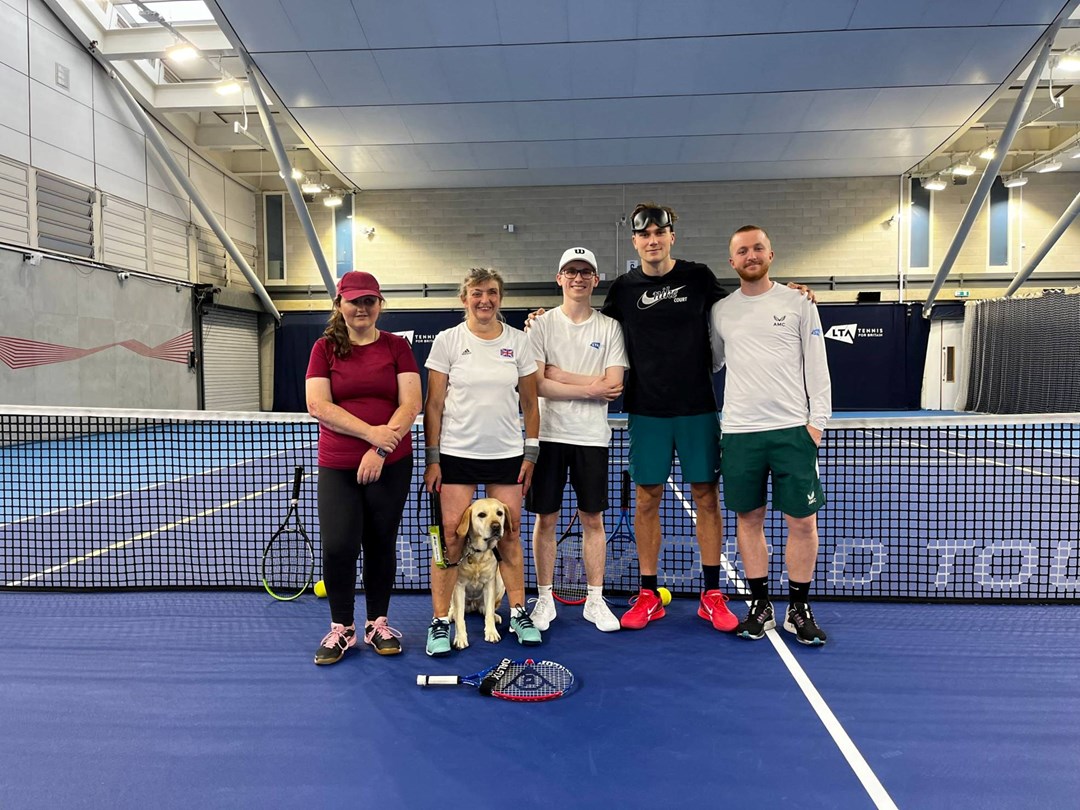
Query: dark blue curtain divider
x: 876, y: 351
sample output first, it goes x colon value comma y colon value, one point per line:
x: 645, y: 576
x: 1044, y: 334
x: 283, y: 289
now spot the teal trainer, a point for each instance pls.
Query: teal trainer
x: 522, y: 626
x: 438, y: 638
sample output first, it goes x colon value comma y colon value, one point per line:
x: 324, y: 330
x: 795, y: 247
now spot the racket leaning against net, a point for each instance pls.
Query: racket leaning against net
x: 621, y: 564
x: 524, y: 680
x: 569, y: 583
x: 288, y: 561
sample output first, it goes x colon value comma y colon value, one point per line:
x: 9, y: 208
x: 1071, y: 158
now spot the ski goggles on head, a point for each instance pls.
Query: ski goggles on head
x: 646, y: 216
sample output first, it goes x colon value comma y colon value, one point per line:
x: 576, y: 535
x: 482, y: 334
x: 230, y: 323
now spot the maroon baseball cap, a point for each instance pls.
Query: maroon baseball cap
x: 356, y: 284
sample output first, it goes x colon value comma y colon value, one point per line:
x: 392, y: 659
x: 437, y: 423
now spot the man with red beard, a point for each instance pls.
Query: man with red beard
x: 777, y: 400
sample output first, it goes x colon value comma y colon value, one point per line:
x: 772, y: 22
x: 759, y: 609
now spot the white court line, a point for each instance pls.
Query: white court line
x: 144, y: 536
x: 149, y: 487
x: 862, y: 770
x: 987, y: 461
x: 1047, y: 450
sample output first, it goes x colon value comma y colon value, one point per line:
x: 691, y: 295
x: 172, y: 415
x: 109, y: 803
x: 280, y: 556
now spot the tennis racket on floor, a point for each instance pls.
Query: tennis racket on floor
x: 526, y: 680
x: 621, y: 566
x: 288, y: 561
x: 569, y: 583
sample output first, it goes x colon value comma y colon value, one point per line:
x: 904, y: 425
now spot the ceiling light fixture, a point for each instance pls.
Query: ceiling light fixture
x: 964, y: 169
x: 181, y: 52
x: 1069, y: 62
x: 934, y: 183
x: 309, y: 187
x: 1015, y: 181
x: 227, y: 87
x: 296, y: 174
x: 332, y: 200
x: 988, y: 153
x: 1049, y: 166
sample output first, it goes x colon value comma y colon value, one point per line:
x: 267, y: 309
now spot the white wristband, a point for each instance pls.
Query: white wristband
x: 532, y: 442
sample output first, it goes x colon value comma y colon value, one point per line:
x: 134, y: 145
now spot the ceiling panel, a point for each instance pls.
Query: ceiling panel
x: 352, y: 77
x: 325, y: 25
x: 442, y: 123
x: 294, y: 79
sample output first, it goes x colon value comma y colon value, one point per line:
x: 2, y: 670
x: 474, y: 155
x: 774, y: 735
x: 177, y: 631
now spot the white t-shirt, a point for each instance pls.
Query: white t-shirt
x: 588, y: 348
x: 481, y: 414
x: 777, y: 372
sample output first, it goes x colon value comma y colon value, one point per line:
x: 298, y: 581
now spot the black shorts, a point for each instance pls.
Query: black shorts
x: 587, y: 468
x: 458, y: 470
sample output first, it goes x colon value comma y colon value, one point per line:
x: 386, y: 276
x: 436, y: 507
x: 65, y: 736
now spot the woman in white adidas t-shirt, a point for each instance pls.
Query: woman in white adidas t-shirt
x: 479, y: 374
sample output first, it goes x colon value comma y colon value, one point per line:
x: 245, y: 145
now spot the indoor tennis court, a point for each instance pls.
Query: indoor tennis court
x: 185, y: 184
x: 928, y: 705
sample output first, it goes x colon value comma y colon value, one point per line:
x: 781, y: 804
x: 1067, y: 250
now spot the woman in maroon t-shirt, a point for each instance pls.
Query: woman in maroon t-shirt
x: 363, y: 385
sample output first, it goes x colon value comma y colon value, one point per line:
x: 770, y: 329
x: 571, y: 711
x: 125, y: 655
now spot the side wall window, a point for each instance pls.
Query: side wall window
x: 999, y: 224
x: 275, y: 237
x: 920, y: 225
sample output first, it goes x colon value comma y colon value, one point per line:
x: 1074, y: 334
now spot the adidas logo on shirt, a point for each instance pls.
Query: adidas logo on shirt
x: 465, y: 352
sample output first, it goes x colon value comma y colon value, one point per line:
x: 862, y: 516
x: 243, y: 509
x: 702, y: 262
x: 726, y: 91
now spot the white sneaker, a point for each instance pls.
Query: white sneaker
x: 597, y: 612
x: 543, y: 613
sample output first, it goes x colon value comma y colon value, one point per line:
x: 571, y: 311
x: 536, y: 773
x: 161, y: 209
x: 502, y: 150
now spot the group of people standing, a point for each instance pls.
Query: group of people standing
x: 662, y: 330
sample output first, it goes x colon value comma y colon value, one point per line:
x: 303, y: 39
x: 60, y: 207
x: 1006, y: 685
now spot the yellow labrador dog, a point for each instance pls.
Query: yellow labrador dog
x: 479, y: 586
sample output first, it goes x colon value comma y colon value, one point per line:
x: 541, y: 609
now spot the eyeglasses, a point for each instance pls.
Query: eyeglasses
x: 571, y: 272
x: 657, y: 216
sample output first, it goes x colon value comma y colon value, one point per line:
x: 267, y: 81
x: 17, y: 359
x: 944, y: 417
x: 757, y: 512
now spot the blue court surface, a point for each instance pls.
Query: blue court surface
x: 210, y: 699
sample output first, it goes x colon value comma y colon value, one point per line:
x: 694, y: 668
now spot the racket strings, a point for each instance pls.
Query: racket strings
x: 287, y: 566
x: 570, y: 583
x: 534, y: 681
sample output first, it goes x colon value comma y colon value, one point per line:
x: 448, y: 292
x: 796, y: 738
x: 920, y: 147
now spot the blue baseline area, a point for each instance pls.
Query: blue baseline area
x: 211, y: 699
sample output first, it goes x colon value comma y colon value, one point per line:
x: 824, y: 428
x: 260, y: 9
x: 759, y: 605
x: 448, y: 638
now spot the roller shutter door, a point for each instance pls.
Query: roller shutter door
x: 230, y: 360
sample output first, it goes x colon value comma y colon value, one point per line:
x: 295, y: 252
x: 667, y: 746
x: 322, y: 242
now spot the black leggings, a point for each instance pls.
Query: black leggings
x: 355, y: 516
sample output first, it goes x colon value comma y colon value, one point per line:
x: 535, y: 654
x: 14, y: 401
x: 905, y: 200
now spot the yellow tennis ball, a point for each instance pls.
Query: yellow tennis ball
x: 665, y: 595
x: 320, y: 589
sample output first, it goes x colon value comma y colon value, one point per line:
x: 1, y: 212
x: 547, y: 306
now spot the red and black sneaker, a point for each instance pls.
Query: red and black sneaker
x: 645, y: 607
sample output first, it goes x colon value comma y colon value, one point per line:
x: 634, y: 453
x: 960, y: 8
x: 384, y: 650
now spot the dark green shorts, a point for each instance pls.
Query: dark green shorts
x: 654, y: 441
x: 789, y: 455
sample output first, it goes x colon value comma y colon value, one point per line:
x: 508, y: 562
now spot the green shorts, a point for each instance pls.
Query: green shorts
x: 790, y: 455
x: 654, y: 441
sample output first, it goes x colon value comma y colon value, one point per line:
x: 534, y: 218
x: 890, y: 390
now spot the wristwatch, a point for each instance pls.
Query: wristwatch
x: 381, y: 453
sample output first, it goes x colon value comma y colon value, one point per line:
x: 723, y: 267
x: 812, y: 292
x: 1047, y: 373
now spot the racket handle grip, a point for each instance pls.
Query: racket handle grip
x: 298, y: 477
x: 438, y: 547
x: 437, y: 680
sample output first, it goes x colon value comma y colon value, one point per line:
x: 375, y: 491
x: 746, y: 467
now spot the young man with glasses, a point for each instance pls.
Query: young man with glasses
x: 663, y: 308
x: 581, y: 362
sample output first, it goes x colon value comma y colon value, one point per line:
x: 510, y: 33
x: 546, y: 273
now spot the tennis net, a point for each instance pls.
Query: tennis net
x: 945, y: 508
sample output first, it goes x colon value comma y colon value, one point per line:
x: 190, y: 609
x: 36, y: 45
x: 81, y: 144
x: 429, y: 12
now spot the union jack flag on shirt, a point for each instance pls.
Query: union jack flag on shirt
x: 506, y: 352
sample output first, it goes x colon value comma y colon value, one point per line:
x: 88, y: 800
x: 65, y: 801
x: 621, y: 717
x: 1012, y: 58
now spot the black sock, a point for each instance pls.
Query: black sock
x: 712, y: 577
x: 648, y: 582
x: 759, y: 587
x: 798, y: 593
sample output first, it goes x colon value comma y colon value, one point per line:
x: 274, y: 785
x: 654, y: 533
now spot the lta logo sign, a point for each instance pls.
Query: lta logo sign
x: 847, y: 332
x: 844, y: 333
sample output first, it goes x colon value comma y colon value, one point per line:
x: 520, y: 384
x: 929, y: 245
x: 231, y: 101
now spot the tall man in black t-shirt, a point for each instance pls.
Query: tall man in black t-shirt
x: 664, y: 308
